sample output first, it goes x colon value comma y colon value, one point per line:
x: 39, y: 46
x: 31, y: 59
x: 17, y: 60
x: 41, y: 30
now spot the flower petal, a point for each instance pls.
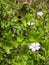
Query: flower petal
x: 40, y: 13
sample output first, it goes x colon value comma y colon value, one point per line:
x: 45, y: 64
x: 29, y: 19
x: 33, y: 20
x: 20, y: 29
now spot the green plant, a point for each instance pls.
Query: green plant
x: 16, y: 35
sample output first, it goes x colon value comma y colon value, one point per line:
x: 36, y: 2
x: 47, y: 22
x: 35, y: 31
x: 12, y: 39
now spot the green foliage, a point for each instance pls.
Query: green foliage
x: 16, y: 35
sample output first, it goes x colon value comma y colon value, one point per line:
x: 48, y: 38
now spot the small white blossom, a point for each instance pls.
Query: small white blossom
x: 34, y: 46
x: 30, y: 23
x: 40, y: 13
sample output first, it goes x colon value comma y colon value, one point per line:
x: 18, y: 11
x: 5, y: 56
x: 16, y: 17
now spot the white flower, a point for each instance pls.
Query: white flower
x: 30, y: 23
x: 34, y: 46
x: 40, y: 13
